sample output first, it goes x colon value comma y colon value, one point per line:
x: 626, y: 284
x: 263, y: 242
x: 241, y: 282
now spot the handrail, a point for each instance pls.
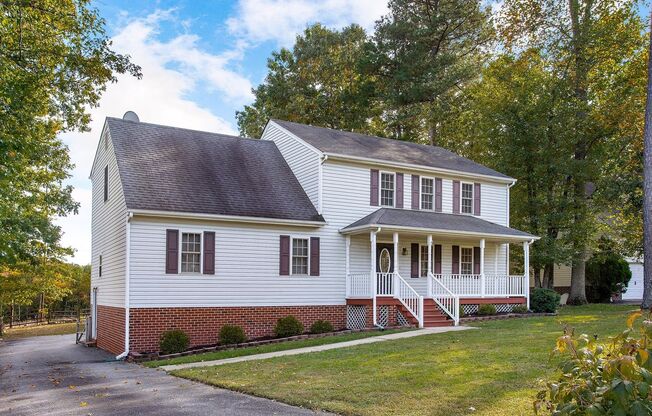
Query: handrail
x: 409, y: 297
x: 448, y: 301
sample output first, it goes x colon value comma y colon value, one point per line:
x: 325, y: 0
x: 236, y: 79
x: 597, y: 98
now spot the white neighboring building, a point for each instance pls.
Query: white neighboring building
x: 193, y: 230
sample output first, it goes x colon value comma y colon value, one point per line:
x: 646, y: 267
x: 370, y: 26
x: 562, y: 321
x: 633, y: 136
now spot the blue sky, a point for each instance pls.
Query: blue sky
x: 199, y: 61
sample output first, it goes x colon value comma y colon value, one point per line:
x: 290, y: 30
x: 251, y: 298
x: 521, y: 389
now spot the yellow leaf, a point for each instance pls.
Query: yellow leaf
x: 644, y: 355
x: 83, y: 404
x: 632, y: 318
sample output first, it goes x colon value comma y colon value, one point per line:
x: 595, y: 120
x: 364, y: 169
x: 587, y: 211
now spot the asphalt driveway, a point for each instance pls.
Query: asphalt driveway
x: 50, y: 375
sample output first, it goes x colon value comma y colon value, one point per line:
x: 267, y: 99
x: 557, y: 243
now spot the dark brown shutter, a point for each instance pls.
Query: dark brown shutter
x: 415, y: 191
x: 209, y: 252
x: 172, y: 251
x: 438, y: 194
x: 456, y: 259
x: 314, y: 256
x: 284, y: 255
x: 476, y: 199
x: 106, y: 183
x: 456, y: 197
x: 414, y: 260
x: 437, y: 258
x: 399, y: 190
x: 373, y: 188
x: 476, y: 260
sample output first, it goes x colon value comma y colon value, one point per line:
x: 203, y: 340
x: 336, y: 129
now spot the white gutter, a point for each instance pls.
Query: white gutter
x: 387, y: 227
x: 130, y: 215
x: 226, y: 218
x: 421, y: 168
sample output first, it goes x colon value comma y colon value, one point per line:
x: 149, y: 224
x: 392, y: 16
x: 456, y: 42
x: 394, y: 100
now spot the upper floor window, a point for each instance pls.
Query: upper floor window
x: 106, y: 183
x: 387, y: 184
x: 299, y: 256
x: 466, y: 260
x: 467, y: 198
x: 190, y: 253
x: 427, y: 193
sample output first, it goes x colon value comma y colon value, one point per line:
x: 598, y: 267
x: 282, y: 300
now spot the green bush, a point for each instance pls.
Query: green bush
x: 519, y: 309
x: 174, y: 341
x: 487, y: 309
x: 607, y: 273
x: 232, y: 334
x: 320, y: 327
x: 609, y: 378
x: 544, y: 300
x: 288, y: 327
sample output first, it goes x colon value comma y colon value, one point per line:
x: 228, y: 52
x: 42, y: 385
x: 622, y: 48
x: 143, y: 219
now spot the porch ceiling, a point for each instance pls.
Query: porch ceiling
x: 427, y: 222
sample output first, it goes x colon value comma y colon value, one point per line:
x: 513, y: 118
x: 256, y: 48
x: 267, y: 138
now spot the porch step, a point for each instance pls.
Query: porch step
x: 432, y: 315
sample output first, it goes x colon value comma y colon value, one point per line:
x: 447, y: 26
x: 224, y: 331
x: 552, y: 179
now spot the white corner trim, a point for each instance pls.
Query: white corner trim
x: 226, y: 218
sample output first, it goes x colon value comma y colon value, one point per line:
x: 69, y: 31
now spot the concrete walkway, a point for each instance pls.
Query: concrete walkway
x: 326, y: 347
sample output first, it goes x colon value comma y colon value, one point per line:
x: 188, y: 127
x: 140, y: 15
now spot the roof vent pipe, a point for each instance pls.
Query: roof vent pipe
x: 130, y: 116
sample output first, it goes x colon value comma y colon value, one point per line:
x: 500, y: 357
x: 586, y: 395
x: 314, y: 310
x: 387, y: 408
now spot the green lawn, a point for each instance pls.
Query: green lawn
x: 290, y: 345
x: 34, y: 331
x: 494, y: 370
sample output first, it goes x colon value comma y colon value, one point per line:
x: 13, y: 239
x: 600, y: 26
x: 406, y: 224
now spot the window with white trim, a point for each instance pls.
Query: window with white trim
x: 300, y: 255
x: 190, y: 253
x: 427, y: 193
x: 467, y: 198
x: 423, y: 261
x: 387, y: 184
x: 466, y: 260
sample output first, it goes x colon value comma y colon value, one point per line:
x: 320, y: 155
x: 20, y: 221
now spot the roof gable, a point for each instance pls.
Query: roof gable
x: 371, y: 147
x: 180, y: 170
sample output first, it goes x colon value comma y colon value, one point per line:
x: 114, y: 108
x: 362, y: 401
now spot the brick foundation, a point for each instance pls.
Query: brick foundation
x: 202, y: 324
x: 111, y: 329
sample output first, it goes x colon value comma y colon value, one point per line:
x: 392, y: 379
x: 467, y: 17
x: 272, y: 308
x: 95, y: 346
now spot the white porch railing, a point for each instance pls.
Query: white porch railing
x: 358, y: 285
x: 384, y: 284
x: 409, y: 297
x: 448, y: 301
x: 477, y: 285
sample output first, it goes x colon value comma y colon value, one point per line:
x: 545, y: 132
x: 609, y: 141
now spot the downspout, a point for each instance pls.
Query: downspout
x: 374, y: 281
x: 321, y: 184
x: 130, y: 215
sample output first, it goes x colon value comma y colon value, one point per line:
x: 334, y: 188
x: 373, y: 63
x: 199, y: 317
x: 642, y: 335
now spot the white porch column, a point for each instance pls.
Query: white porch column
x: 429, y: 264
x: 526, y: 274
x: 348, y: 265
x: 372, y: 275
x: 395, y: 259
x: 496, y: 254
x: 483, y: 281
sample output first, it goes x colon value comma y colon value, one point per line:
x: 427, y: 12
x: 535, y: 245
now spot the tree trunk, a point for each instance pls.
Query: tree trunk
x: 647, y: 190
x: 537, y: 277
x: 549, y: 276
x: 578, y: 281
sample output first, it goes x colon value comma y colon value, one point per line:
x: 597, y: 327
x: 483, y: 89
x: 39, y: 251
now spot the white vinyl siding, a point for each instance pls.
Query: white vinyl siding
x: 303, y: 161
x: 108, y: 228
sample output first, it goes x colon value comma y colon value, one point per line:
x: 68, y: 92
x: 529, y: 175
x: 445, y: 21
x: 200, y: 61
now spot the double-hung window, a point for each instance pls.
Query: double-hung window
x: 387, y: 184
x: 300, y: 256
x: 466, y: 260
x: 467, y: 198
x: 427, y: 193
x: 190, y: 253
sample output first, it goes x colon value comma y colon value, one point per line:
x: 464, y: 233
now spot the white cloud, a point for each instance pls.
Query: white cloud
x: 172, y: 70
x: 281, y: 20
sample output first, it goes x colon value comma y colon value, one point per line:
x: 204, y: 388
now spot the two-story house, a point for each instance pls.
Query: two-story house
x: 194, y: 230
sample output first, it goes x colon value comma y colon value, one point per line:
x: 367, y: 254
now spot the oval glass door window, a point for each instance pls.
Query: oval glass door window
x: 385, y: 261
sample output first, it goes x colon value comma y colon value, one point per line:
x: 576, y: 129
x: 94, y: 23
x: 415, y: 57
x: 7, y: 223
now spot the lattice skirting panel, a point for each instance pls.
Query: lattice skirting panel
x: 401, y: 319
x: 383, y: 315
x: 500, y: 308
x: 356, y: 316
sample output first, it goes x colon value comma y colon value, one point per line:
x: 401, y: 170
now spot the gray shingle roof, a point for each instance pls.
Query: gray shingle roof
x: 173, y: 169
x: 360, y: 145
x: 434, y: 221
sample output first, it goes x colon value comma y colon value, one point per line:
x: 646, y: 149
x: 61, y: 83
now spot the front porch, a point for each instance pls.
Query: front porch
x: 428, y: 276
